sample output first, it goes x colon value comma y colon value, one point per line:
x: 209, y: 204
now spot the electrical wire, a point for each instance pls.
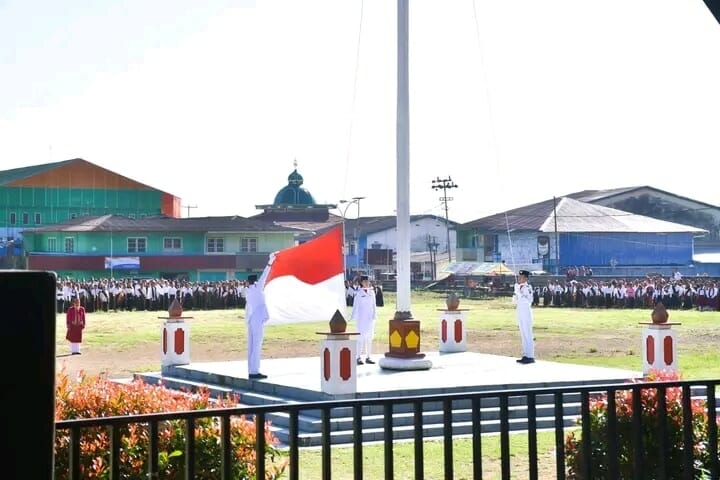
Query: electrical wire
x: 483, y: 71
x: 493, y: 134
x: 354, y: 96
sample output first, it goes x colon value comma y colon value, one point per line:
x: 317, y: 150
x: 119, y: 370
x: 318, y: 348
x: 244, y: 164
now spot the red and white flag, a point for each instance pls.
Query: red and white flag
x: 306, y: 282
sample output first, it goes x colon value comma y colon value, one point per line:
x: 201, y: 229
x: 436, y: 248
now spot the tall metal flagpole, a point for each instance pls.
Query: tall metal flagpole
x: 404, y: 336
x: 402, y: 149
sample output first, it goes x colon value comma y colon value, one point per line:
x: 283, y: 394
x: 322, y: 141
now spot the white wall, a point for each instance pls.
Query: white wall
x: 419, y: 231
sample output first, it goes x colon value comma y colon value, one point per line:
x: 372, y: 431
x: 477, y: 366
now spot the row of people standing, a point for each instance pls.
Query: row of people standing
x: 618, y: 293
x: 150, y: 295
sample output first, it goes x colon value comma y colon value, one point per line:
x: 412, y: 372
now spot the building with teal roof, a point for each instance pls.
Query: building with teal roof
x: 50, y: 193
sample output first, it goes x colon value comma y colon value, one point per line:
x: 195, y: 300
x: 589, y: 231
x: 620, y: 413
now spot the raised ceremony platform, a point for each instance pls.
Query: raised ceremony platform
x: 298, y: 380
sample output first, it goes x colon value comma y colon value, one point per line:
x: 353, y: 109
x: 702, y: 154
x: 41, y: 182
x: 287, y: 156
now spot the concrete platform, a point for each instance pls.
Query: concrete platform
x: 297, y: 380
x: 450, y: 372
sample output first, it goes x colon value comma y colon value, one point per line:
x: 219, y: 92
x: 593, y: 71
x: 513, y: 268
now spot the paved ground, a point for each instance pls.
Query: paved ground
x: 449, y: 371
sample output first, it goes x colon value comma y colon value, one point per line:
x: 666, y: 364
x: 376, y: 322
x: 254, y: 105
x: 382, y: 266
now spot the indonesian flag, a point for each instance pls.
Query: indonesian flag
x: 306, y: 282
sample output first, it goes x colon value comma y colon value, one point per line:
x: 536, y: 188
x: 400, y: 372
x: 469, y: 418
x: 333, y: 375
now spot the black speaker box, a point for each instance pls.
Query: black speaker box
x: 27, y: 383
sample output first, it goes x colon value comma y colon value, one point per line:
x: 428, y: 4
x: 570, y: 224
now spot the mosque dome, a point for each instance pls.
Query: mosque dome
x: 293, y: 193
x: 295, y: 178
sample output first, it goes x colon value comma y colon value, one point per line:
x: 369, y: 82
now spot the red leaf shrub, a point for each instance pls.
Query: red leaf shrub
x: 575, y: 456
x: 93, y: 397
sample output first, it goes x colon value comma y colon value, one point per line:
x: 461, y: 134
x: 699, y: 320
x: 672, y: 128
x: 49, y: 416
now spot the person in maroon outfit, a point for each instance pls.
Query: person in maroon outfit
x: 75, y: 322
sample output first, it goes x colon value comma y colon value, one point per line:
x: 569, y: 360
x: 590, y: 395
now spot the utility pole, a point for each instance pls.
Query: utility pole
x: 557, y: 243
x: 188, y: 208
x: 445, y: 184
x: 432, y: 247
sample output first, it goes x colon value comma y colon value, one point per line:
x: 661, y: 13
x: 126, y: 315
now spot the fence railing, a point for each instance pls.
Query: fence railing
x: 484, y: 406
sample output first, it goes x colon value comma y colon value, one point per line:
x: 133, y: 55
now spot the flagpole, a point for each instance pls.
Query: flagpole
x: 404, y: 335
x: 403, y: 310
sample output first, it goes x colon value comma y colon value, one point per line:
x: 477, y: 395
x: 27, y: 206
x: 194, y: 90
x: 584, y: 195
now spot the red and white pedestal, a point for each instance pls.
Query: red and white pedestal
x: 453, y: 336
x: 175, y: 341
x: 659, y: 347
x: 338, y: 370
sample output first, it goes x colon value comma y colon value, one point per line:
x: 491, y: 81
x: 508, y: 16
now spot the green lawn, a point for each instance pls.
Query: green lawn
x: 403, y: 455
x: 599, y: 337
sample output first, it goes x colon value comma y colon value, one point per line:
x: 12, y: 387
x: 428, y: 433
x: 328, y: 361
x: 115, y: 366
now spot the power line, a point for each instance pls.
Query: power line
x: 354, y: 95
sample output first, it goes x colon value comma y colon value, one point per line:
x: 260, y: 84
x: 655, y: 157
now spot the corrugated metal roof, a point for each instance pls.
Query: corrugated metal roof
x: 592, y: 196
x: 12, y: 175
x: 160, y: 223
x: 530, y: 217
x: 575, y: 216
x: 379, y: 223
x: 310, y: 226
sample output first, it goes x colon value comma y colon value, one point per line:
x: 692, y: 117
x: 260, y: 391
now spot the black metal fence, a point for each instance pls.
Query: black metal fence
x: 691, y: 394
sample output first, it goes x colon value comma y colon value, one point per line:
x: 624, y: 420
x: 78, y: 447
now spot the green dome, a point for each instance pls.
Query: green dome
x: 293, y: 193
x: 295, y: 178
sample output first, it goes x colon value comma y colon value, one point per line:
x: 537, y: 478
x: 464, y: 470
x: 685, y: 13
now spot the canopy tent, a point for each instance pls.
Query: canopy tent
x: 478, y: 269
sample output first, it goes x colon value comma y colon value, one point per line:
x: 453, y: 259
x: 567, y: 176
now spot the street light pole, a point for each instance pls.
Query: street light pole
x: 343, y: 213
x: 357, y: 234
x: 445, y: 184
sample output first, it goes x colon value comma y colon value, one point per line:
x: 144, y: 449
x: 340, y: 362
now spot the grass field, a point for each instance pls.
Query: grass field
x: 122, y: 343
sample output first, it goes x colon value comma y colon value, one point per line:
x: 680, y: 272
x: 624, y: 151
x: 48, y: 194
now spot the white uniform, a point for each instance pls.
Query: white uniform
x: 523, y: 300
x: 256, y: 315
x: 364, y: 313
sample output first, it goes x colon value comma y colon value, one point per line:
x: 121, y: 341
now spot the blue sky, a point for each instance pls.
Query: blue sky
x: 516, y: 101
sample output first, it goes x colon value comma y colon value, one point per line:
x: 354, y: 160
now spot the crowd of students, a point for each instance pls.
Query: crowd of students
x: 107, y: 294
x: 674, y: 293
x: 157, y: 294
x: 150, y: 294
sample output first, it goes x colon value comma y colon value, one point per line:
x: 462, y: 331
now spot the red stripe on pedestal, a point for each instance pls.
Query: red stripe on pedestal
x: 443, y: 330
x: 345, y: 364
x: 164, y: 340
x: 326, y: 364
x: 668, y: 350
x: 650, y: 348
x: 179, y: 341
x: 458, y: 331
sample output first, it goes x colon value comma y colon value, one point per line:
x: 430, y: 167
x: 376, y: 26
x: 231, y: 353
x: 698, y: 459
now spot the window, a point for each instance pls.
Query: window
x: 52, y: 244
x: 13, y: 218
x: 38, y: 219
x: 26, y: 218
x: 69, y: 245
x: 248, y: 244
x: 136, y: 244
x: 172, y: 243
x: 215, y: 245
